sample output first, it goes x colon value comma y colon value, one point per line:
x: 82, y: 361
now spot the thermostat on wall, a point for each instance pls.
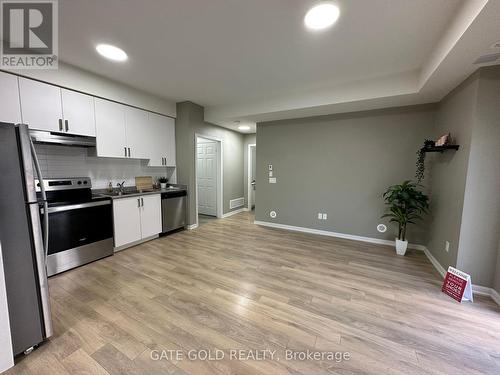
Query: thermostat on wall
x: 273, y: 214
x: 382, y: 228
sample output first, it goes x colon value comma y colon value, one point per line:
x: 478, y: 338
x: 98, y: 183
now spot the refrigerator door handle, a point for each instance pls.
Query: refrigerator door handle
x: 44, y: 200
x: 28, y: 159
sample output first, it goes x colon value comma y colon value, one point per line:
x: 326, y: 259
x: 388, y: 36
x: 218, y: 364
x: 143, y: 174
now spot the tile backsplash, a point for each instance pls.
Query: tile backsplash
x: 64, y: 161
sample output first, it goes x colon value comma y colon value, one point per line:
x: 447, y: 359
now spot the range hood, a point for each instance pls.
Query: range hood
x: 62, y: 139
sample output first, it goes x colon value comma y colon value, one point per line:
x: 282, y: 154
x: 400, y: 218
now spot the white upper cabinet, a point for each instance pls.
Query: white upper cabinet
x: 50, y: 108
x: 78, y: 113
x: 10, y: 109
x: 121, y: 131
x: 138, y: 133
x: 170, y: 145
x: 157, y: 140
x: 110, y: 129
x: 41, y: 105
x: 163, y: 140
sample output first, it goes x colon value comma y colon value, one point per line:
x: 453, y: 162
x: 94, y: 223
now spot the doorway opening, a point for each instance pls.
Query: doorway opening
x: 208, y: 172
x: 252, y: 168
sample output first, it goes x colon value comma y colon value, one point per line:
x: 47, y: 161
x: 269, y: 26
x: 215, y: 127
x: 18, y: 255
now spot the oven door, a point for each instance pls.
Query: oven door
x: 79, y: 234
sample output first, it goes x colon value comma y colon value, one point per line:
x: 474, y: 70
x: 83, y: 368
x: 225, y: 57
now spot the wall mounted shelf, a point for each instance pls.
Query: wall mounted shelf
x: 440, y: 148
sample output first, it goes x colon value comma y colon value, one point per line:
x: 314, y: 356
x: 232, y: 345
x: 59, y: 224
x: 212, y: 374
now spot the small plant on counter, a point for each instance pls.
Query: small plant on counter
x: 163, y: 182
x: 406, y: 204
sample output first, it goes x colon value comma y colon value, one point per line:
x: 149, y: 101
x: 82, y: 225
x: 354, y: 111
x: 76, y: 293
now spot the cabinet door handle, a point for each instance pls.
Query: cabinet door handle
x: 66, y: 125
x: 125, y: 151
x: 60, y: 125
x: 142, y: 202
x: 129, y: 152
x: 138, y: 202
x: 162, y: 161
x: 165, y: 161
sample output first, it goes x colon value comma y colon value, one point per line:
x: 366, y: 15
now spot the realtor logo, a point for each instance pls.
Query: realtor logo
x: 29, y: 34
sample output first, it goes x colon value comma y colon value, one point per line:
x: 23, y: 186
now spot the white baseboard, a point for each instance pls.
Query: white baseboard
x: 495, y: 296
x: 192, y: 226
x: 377, y: 241
x: 481, y: 290
x: 234, y: 212
x: 477, y: 289
x: 435, y: 262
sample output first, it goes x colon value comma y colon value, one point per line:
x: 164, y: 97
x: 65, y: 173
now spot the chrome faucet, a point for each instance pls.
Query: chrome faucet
x: 120, y: 187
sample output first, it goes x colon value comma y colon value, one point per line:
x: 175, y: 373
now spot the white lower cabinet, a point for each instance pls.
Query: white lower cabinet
x: 136, y: 218
x: 150, y: 215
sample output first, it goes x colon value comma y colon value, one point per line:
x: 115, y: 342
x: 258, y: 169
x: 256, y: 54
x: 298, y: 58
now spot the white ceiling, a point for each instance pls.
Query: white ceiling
x: 253, y: 60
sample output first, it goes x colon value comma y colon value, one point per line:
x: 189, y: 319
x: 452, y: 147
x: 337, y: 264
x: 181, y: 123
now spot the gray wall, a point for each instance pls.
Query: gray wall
x: 479, y: 234
x: 456, y: 114
x: 247, y: 140
x: 339, y: 165
x: 496, y: 286
x: 190, y: 121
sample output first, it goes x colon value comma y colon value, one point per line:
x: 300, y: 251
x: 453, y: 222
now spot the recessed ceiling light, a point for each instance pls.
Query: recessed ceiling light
x: 244, y: 127
x: 321, y: 16
x: 111, y: 52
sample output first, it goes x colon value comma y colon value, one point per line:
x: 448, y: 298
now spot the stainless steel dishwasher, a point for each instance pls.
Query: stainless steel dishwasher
x: 173, y: 209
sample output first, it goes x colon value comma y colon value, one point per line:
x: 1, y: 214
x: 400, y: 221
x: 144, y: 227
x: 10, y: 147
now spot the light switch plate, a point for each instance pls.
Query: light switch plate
x: 270, y: 167
x: 270, y: 173
x: 320, y: 216
x: 325, y: 216
x: 272, y: 180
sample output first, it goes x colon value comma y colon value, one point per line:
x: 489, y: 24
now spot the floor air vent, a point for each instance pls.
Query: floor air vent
x: 235, y: 203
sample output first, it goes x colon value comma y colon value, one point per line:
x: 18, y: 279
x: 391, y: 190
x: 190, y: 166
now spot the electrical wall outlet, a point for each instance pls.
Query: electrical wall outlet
x: 272, y: 180
x: 320, y: 216
x: 447, y: 246
x: 325, y: 216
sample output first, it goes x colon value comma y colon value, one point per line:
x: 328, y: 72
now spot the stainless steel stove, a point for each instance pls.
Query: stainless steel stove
x: 80, y: 225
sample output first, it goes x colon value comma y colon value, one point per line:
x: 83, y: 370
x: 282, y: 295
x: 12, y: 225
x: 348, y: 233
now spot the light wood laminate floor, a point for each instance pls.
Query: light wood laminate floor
x: 233, y: 285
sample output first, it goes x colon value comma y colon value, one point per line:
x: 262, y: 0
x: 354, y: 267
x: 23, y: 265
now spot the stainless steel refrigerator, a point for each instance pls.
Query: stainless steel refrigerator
x: 22, y: 241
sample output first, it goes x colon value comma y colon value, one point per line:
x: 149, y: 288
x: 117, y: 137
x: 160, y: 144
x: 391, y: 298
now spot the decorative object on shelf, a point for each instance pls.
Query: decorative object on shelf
x: 442, y: 144
x: 405, y: 204
x: 443, y: 140
x: 163, y: 182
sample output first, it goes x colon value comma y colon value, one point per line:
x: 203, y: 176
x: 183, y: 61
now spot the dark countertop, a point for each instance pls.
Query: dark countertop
x: 133, y: 192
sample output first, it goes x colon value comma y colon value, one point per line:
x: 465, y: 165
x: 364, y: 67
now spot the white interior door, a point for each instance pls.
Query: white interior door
x: 206, y: 176
x: 253, y: 174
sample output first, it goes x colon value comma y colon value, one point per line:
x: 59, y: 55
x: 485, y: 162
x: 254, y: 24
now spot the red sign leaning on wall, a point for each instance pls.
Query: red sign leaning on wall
x: 457, y: 285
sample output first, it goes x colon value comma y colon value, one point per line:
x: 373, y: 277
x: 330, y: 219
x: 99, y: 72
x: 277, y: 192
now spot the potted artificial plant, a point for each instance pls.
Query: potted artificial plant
x: 163, y: 182
x: 406, y: 204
